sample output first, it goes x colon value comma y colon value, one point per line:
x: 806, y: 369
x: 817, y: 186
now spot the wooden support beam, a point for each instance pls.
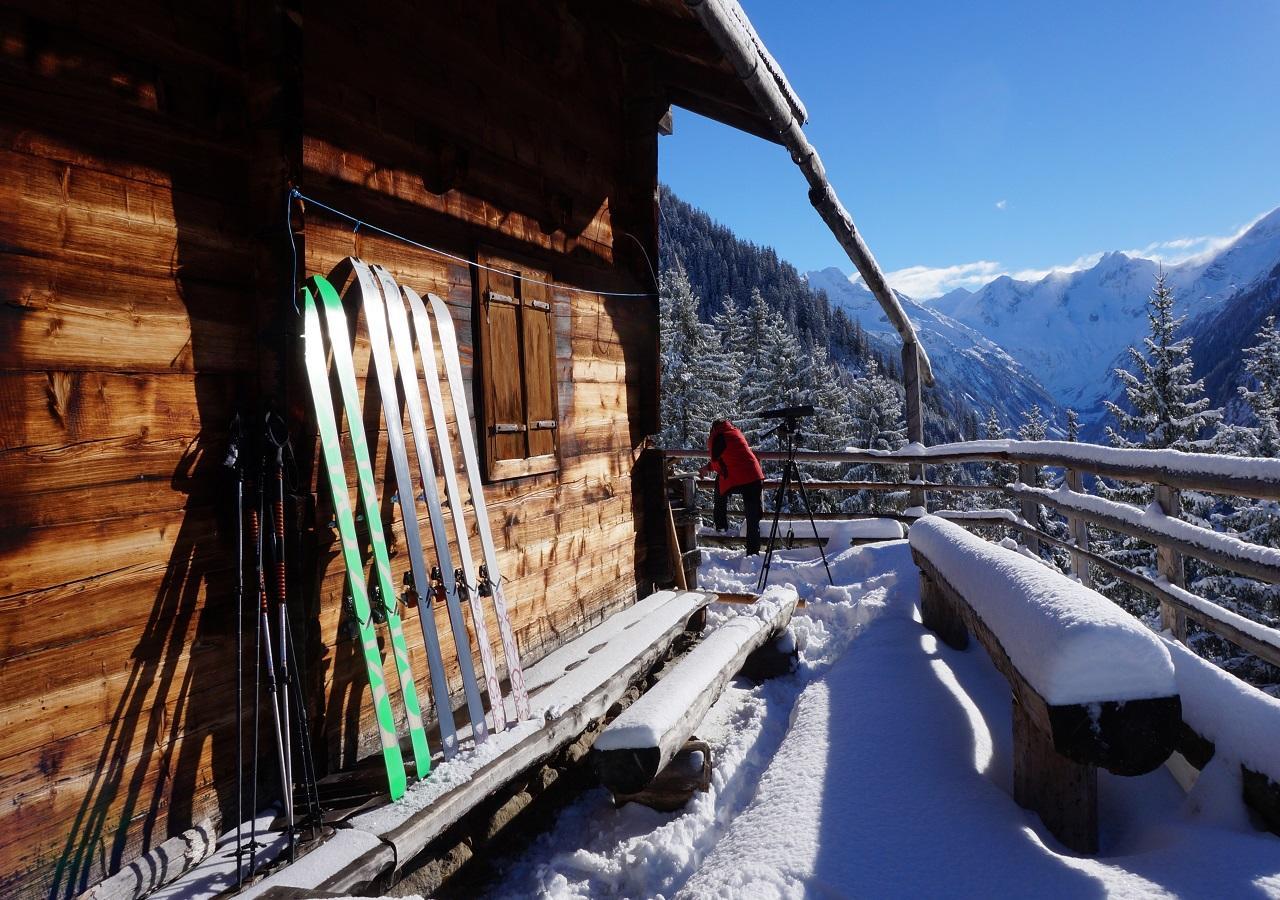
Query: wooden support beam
x: 1028, y: 508
x: 1170, y: 565
x: 640, y: 743
x: 744, y: 599
x: 733, y: 540
x: 915, y: 416
x: 1064, y: 793
x: 1079, y: 531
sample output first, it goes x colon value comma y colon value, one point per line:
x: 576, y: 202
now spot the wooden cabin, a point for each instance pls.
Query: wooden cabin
x: 150, y: 254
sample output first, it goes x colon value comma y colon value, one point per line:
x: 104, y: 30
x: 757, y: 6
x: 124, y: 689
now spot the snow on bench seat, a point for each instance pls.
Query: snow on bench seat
x: 569, y: 689
x: 1071, y: 644
x: 638, y: 744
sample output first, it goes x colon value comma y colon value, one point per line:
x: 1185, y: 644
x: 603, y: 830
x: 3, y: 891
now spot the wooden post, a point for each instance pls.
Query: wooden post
x: 1029, y: 509
x: 688, y: 526
x: 1170, y: 565
x: 1079, y: 530
x: 1064, y: 793
x: 915, y: 415
x: 938, y: 613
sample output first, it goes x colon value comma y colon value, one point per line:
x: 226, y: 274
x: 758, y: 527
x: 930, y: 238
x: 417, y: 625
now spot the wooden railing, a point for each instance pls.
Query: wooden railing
x: 1168, y: 471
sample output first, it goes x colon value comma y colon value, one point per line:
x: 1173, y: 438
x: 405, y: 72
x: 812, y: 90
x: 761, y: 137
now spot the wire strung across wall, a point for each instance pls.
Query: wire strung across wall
x: 361, y: 223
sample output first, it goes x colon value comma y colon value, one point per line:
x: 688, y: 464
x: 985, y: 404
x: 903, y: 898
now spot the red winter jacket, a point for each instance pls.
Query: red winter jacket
x: 731, y: 457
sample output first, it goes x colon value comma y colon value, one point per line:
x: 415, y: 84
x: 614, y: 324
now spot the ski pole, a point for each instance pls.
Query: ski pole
x: 234, y: 463
x: 264, y: 625
x: 282, y: 612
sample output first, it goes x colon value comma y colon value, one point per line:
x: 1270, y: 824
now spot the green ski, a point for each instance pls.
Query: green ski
x: 318, y: 376
x: 384, y: 591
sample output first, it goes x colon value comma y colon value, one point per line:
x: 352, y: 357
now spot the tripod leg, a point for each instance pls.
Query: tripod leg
x: 804, y: 495
x: 773, y: 529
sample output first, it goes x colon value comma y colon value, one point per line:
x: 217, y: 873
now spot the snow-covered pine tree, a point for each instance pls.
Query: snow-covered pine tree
x: 771, y: 375
x: 730, y: 324
x: 997, y: 474
x: 1073, y: 425
x: 1256, y: 521
x: 879, y: 424
x: 1035, y: 427
x: 1170, y: 410
x: 1262, y: 362
x: 828, y: 388
x: 693, y: 369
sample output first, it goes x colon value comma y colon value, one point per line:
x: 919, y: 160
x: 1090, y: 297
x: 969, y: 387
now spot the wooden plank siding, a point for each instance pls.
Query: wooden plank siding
x: 145, y: 275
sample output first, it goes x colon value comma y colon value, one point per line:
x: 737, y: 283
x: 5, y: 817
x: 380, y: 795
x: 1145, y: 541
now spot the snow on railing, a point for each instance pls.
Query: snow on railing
x: 1169, y: 470
x: 1219, y: 474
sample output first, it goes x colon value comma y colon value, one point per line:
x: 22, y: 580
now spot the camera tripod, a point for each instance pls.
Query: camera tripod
x: 789, y: 433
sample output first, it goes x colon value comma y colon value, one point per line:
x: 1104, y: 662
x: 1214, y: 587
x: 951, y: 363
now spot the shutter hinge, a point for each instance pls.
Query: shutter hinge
x: 543, y: 424
x: 497, y: 297
x: 540, y: 304
x: 508, y: 428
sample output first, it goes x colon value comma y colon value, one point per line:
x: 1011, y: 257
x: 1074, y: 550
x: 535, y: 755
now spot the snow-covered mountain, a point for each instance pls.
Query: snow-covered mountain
x: 1070, y: 329
x: 1056, y: 341
x: 962, y: 358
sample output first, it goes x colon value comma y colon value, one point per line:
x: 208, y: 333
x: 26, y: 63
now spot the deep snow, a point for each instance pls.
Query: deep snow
x: 881, y: 768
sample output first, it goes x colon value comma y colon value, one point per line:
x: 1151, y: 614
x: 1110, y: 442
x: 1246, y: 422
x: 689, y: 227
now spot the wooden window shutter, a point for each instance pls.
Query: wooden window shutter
x: 539, y: 369
x: 516, y: 388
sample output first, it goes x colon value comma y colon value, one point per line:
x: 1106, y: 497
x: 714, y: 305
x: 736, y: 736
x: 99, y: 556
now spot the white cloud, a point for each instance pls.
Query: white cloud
x: 1191, y: 249
x: 1001, y: 204
x: 928, y: 282
x: 923, y: 282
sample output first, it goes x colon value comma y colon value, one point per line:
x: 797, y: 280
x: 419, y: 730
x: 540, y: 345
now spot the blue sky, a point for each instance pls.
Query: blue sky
x: 973, y: 139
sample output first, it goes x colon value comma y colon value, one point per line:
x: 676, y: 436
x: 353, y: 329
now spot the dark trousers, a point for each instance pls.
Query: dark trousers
x: 751, y: 502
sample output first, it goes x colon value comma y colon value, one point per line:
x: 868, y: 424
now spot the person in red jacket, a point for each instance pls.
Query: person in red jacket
x: 737, y: 472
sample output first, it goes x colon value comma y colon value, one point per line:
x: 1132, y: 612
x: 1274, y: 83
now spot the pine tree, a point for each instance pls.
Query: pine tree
x: 1035, y: 427
x: 1169, y: 408
x: 771, y: 377
x: 1262, y: 362
x: 878, y: 424
x: 1073, y: 425
x: 693, y: 370
x: 997, y: 474
x: 1170, y: 411
x: 1256, y: 521
x: 730, y: 324
x: 827, y: 387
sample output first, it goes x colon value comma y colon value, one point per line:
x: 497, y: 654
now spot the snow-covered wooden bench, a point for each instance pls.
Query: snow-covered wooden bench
x: 638, y: 744
x: 569, y: 689
x: 1092, y: 688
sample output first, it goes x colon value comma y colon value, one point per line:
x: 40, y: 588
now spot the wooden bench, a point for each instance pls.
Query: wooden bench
x: 1092, y: 687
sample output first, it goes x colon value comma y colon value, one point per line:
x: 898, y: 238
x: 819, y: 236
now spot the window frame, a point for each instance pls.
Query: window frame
x: 528, y: 302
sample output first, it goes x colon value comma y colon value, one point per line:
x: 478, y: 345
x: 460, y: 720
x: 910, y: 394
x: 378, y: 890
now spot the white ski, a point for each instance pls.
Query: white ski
x: 372, y: 300
x: 492, y: 576
x: 426, y: 350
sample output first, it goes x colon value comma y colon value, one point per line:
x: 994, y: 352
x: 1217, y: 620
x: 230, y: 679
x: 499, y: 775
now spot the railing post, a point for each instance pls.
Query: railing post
x: 1170, y: 565
x: 1079, y: 530
x: 1030, y: 509
x: 915, y: 416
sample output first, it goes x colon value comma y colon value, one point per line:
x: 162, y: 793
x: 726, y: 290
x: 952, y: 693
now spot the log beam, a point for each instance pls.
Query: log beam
x: 641, y: 742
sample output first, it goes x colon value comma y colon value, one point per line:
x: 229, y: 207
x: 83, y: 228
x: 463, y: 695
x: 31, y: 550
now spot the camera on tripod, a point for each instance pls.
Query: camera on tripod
x: 790, y: 416
x: 789, y: 436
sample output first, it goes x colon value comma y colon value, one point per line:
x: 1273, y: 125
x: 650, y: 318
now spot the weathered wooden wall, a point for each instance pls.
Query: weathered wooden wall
x: 467, y: 141
x: 144, y: 157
